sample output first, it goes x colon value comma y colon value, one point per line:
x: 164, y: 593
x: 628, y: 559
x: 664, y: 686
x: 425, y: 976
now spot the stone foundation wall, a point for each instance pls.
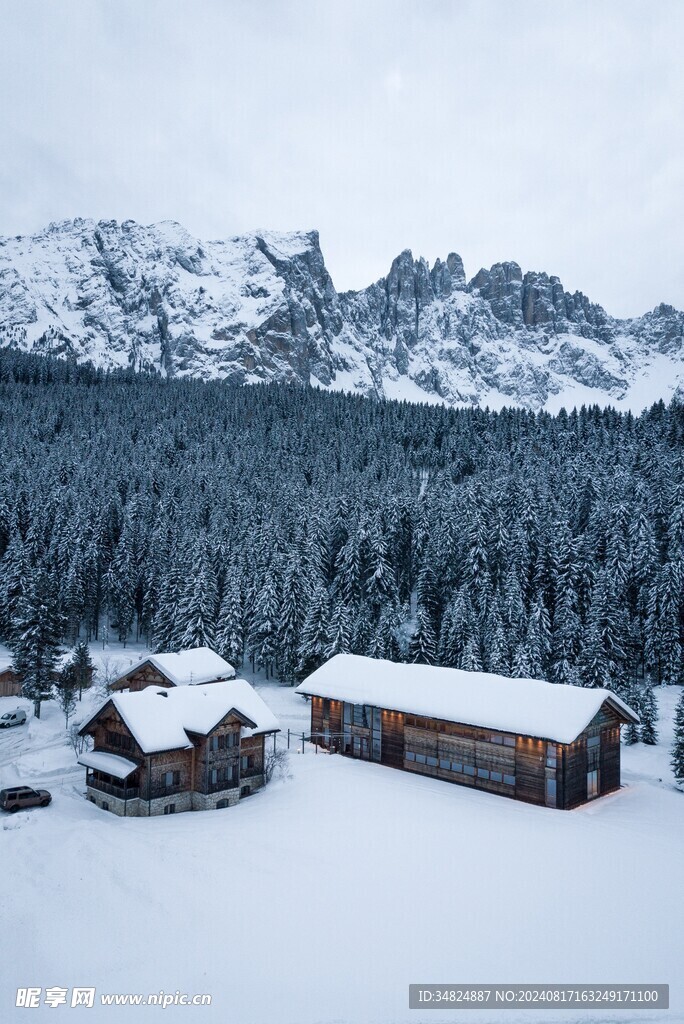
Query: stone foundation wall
x: 188, y: 801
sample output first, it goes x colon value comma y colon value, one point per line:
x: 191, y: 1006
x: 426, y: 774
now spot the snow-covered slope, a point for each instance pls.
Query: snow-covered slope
x: 263, y: 307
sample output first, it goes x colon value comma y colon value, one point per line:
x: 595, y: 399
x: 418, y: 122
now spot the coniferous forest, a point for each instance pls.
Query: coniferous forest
x: 280, y: 525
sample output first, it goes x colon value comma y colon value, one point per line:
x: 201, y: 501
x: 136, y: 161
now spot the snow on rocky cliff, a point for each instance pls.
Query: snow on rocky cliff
x: 263, y: 307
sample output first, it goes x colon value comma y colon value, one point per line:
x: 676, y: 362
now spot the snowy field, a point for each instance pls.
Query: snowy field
x: 318, y: 900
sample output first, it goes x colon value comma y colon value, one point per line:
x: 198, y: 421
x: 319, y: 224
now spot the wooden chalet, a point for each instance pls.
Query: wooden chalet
x: 193, y: 667
x: 161, y: 750
x: 10, y: 685
x: 535, y: 741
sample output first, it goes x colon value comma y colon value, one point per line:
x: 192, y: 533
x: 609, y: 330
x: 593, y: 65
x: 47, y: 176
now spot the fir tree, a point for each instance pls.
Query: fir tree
x: 677, y: 761
x: 422, y: 648
x: 36, y: 633
x: 648, y: 712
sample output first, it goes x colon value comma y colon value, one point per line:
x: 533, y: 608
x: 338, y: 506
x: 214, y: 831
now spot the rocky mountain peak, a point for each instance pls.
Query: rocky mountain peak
x: 263, y: 306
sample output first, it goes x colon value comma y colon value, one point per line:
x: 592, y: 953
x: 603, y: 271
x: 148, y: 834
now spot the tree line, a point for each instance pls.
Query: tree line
x: 282, y: 525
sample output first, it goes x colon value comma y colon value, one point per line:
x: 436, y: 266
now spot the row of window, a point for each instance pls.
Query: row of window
x: 462, y: 769
x: 224, y: 741
x: 119, y: 740
x: 506, y: 741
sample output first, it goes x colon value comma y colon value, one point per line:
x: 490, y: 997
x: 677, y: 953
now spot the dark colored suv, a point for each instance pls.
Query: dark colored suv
x: 20, y: 797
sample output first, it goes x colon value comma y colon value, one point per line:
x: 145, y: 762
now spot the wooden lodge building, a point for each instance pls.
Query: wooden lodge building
x: 192, y: 667
x: 540, y: 742
x: 10, y: 684
x: 165, y: 749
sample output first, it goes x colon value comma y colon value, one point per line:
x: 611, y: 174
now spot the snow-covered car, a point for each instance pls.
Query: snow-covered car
x: 20, y: 797
x: 11, y: 718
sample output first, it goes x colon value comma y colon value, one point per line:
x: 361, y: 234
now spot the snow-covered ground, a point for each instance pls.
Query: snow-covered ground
x: 321, y: 898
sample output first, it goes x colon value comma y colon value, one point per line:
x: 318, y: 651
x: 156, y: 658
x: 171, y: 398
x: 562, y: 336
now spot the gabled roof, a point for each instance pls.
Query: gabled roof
x: 524, y: 707
x: 192, y: 667
x: 161, y: 719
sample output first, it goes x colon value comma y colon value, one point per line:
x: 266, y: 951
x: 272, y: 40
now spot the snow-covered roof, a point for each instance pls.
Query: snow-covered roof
x: 525, y: 707
x: 112, y: 764
x: 186, y: 668
x: 161, y: 718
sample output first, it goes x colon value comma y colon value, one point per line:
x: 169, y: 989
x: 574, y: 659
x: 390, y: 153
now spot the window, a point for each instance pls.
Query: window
x: 246, y: 762
x: 551, y: 755
x: 496, y: 738
x: 410, y: 756
x: 171, y: 779
x: 105, y: 805
x: 421, y: 758
x: 326, y: 707
x: 482, y: 773
x: 361, y: 717
x: 509, y: 741
x: 348, y: 714
x: 220, y: 804
x: 593, y: 741
x: 495, y: 776
x: 245, y: 791
x: 213, y: 742
x: 509, y: 780
x: 170, y: 809
x: 119, y: 740
x: 550, y: 792
x: 432, y: 761
x: 444, y: 763
x: 468, y: 769
x: 592, y: 784
x: 456, y: 766
x: 214, y: 776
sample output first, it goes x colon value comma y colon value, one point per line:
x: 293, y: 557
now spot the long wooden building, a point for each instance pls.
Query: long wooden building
x: 535, y: 741
x: 161, y: 750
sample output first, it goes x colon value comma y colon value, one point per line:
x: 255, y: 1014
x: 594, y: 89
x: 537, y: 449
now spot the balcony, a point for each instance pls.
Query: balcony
x: 121, y: 792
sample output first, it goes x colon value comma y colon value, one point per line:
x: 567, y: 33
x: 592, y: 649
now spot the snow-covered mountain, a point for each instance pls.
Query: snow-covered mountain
x: 263, y: 307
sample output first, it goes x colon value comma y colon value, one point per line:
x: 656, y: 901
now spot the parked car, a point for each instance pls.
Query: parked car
x: 20, y: 797
x: 11, y: 718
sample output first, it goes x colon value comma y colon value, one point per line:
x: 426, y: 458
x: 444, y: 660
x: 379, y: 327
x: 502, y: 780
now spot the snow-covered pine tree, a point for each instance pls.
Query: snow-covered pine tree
x: 197, y: 606
x: 648, y: 713
x: 633, y: 698
x: 82, y: 665
x: 36, y: 631
x: 230, y: 641
x: 314, y: 637
x: 340, y: 631
x: 422, y: 648
x: 677, y: 761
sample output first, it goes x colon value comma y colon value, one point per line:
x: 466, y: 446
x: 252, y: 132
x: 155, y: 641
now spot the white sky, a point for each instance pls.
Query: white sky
x: 550, y: 133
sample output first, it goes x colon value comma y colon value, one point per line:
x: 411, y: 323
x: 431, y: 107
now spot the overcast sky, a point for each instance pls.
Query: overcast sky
x: 549, y: 133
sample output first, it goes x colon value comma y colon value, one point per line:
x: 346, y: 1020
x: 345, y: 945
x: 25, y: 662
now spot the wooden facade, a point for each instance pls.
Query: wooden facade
x: 532, y: 769
x: 216, y: 771
x: 10, y: 685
